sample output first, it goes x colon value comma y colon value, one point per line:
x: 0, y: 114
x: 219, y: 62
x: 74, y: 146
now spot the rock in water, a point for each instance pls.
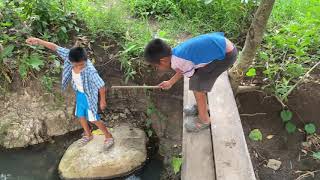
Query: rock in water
x: 92, y: 162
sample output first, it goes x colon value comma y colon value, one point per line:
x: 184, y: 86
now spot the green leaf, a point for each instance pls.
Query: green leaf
x: 207, y: 1
x: 7, y: 24
x: 290, y: 127
x: 162, y: 34
x: 7, y: 51
x: 286, y: 115
x: 255, y: 135
x: 316, y: 155
x: 310, y: 128
x: 251, y: 72
x: 176, y: 164
x: 148, y: 123
x: 263, y: 55
x: 23, y: 70
x: 150, y: 111
x: 35, y: 62
x: 64, y: 29
x: 150, y: 133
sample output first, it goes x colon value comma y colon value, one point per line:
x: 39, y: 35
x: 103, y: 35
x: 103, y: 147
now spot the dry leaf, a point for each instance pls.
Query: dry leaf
x: 270, y: 136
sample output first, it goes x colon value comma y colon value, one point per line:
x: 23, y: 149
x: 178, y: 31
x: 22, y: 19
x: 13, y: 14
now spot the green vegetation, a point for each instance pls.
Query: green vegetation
x: 310, y: 128
x: 255, y: 135
x: 291, y: 46
x: 286, y: 117
x: 176, y: 164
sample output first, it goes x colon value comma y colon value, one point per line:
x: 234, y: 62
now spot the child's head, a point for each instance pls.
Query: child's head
x: 158, y: 53
x: 78, y: 57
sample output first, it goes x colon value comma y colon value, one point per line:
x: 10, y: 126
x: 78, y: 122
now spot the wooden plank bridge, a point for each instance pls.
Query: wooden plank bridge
x: 219, y: 153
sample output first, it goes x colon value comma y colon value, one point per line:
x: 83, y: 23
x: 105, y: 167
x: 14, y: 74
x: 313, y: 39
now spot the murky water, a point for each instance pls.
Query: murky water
x: 40, y: 162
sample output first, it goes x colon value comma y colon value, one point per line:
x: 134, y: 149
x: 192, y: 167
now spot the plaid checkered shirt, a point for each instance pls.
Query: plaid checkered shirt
x: 91, y: 80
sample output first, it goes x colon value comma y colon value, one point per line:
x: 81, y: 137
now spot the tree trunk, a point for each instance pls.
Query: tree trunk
x: 253, y: 40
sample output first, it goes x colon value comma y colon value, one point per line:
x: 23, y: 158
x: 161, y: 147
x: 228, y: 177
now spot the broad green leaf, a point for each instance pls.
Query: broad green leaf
x: 251, y: 72
x: 150, y: 133
x: 286, y: 115
x: 310, y: 128
x: 7, y: 24
x: 255, y: 135
x: 35, y: 62
x: 316, y: 155
x: 64, y: 29
x: 290, y: 127
x: 176, y: 164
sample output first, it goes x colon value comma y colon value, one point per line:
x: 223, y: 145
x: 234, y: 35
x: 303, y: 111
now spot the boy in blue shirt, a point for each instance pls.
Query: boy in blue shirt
x: 87, y: 84
x: 202, y: 59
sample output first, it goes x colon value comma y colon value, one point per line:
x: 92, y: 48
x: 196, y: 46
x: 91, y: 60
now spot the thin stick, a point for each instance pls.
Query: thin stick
x: 255, y: 114
x: 135, y: 87
x: 300, y: 80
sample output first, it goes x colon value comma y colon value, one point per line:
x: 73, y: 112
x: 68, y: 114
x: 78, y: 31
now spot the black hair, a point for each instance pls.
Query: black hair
x: 77, y: 54
x: 155, y: 50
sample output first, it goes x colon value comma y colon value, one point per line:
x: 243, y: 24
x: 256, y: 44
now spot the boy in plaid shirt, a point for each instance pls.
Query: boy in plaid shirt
x: 87, y: 84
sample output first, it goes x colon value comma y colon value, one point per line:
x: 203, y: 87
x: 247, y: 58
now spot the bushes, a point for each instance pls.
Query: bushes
x: 230, y: 16
x: 21, y: 19
x: 291, y: 44
x: 158, y: 8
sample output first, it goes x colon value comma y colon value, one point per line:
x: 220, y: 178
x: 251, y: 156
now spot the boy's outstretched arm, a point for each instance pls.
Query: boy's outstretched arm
x: 37, y: 41
x: 172, y: 81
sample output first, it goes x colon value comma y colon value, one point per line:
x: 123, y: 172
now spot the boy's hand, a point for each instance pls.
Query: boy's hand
x: 165, y: 85
x: 103, y: 104
x: 33, y: 41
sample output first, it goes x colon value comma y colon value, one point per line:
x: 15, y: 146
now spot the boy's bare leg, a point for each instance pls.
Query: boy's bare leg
x: 103, y: 128
x: 201, y: 98
x: 85, y: 126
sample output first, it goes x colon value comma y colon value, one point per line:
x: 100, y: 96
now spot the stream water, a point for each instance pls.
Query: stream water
x: 40, y: 162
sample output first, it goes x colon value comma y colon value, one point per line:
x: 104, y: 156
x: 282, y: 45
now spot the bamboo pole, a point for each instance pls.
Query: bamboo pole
x: 135, y: 87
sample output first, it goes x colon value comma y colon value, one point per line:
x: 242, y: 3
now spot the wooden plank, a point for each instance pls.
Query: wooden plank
x: 232, y: 159
x: 196, y: 148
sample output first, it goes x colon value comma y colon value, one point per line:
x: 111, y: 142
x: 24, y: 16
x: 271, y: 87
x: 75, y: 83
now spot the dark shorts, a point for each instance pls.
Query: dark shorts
x: 204, y: 78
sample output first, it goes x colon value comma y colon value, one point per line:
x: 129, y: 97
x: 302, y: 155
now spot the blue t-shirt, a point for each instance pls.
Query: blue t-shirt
x: 198, y: 52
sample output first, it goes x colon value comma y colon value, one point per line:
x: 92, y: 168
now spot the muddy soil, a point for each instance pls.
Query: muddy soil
x: 305, y: 103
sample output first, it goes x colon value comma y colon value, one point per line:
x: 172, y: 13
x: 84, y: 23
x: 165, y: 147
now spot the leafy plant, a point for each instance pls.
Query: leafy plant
x: 48, y: 82
x: 316, y: 155
x: 286, y: 115
x: 290, y: 46
x: 251, y: 72
x: 176, y: 164
x: 255, y: 135
x: 290, y: 127
x: 310, y: 128
x: 32, y: 62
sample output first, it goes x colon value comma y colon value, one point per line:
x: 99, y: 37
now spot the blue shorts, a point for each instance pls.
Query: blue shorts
x: 82, y: 108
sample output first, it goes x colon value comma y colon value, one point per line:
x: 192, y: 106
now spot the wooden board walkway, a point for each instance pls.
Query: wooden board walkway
x: 219, y: 153
x: 196, y: 147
